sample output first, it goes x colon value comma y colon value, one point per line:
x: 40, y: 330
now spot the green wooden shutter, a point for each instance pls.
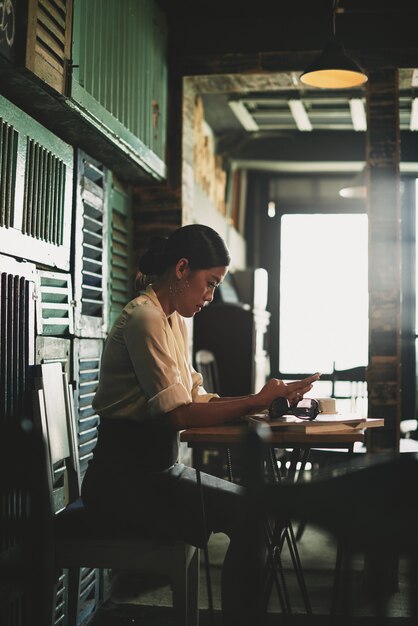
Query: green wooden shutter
x: 8, y: 156
x: 158, y: 76
x: 86, y: 365
x: 120, y: 251
x: 36, y: 170
x: 87, y: 355
x: 90, y: 250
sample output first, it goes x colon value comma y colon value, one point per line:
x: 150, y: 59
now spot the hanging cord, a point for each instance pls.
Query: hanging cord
x: 334, y: 13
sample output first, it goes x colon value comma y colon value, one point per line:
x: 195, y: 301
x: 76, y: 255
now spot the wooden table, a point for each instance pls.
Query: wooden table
x: 226, y: 436
x: 231, y: 435
x: 234, y: 434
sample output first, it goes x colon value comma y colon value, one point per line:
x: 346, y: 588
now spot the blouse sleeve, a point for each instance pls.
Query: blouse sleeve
x: 199, y: 393
x: 157, y: 373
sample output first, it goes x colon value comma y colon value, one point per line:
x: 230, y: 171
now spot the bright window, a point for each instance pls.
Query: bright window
x: 323, y: 292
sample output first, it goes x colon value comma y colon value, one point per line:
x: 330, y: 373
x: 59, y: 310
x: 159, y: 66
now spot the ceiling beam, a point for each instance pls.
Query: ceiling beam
x: 413, y: 124
x: 313, y: 167
x: 358, y: 114
x: 300, y: 115
x: 245, y: 118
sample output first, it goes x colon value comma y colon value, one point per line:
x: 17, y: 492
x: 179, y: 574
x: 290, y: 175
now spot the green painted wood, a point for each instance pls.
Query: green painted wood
x: 120, y: 251
x: 120, y: 77
x: 8, y: 156
x: 36, y: 169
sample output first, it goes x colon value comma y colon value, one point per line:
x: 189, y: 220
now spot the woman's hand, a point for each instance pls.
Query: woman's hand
x: 277, y: 388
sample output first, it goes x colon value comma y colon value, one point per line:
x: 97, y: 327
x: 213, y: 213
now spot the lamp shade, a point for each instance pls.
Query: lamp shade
x: 333, y: 69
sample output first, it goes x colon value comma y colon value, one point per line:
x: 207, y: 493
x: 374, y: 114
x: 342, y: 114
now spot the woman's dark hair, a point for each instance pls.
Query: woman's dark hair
x: 202, y: 246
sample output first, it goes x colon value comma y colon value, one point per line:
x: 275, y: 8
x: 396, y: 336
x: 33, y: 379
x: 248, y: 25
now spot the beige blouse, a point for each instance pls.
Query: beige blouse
x: 145, y: 369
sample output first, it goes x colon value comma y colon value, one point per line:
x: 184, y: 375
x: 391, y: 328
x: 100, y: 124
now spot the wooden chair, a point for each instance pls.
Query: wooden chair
x: 355, y: 393
x: 367, y: 504
x: 349, y: 388
x: 206, y: 365
x: 75, y: 541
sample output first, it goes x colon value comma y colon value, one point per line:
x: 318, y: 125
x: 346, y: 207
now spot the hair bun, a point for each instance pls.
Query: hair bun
x: 151, y: 262
x: 158, y: 244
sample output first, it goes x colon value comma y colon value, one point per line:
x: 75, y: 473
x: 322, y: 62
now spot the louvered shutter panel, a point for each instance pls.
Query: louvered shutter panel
x: 87, y: 355
x: 90, y: 262
x: 36, y: 170
x: 17, y: 336
x: 120, y: 255
x: 48, y: 45
x: 8, y: 156
x: 62, y: 597
x: 55, y: 304
x: 53, y: 350
x: 89, y: 593
x: 61, y: 602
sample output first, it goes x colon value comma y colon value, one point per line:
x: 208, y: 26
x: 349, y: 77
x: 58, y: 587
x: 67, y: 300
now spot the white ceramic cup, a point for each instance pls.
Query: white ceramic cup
x: 327, y: 405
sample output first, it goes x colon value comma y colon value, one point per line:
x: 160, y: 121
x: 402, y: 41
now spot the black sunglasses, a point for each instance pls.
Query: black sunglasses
x: 306, y: 409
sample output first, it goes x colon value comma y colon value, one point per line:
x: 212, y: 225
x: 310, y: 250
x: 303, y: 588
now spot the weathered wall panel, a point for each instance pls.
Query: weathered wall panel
x: 383, y: 154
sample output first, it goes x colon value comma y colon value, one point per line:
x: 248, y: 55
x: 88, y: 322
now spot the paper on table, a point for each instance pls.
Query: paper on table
x: 322, y: 423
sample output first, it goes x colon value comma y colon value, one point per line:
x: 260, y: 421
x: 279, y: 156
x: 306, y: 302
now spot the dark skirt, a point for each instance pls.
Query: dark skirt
x: 154, y: 494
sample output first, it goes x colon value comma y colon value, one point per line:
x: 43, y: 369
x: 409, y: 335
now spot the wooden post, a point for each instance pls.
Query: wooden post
x: 383, y: 154
x: 384, y: 380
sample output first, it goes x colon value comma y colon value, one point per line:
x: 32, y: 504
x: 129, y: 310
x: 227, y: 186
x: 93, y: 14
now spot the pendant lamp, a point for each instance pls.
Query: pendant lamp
x: 333, y: 69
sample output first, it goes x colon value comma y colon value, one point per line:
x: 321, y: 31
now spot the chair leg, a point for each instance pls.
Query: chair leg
x: 300, y: 530
x: 193, y: 588
x: 185, y: 588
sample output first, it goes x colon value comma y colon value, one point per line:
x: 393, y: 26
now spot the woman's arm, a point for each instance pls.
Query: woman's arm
x: 220, y: 411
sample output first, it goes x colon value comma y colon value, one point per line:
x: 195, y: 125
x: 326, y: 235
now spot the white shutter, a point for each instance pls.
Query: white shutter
x: 55, y: 304
x: 35, y: 190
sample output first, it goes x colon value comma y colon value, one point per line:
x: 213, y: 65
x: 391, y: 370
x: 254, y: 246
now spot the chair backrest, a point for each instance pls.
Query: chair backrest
x: 206, y: 365
x: 350, y: 385
x: 53, y: 404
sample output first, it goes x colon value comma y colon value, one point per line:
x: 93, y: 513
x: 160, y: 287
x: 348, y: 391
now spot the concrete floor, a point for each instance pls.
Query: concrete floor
x: 147, y: 602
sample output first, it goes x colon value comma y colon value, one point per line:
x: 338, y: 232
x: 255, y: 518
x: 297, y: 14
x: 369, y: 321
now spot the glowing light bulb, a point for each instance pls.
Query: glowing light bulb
x: 271, y: 209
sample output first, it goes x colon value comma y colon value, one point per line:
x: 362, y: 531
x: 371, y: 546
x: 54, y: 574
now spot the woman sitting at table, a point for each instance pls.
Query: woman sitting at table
x: 148, y: 391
